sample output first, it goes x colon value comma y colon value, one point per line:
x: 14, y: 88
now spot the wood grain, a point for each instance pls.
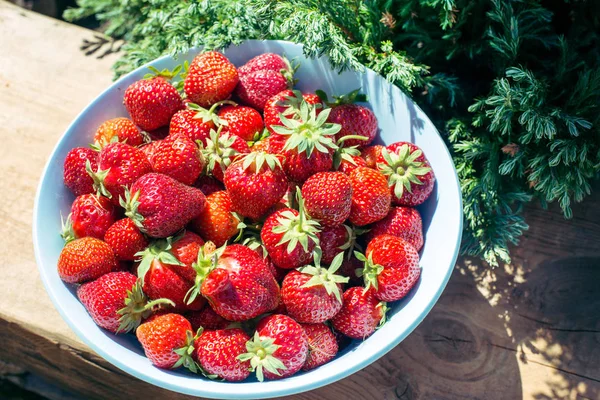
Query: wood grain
x: 529, y: 330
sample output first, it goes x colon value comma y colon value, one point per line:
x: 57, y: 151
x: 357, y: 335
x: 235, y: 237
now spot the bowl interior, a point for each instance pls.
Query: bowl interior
x: 399, y: 119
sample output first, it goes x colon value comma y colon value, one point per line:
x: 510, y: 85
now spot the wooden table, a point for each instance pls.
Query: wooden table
x: 528, y: 330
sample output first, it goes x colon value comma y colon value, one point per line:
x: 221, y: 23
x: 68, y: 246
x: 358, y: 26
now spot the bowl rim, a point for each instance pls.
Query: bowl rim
x: 268, y: 392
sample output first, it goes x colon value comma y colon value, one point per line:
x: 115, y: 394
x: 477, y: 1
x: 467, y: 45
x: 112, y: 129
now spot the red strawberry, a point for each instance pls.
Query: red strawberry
x: 179, y: 158
x: 404, y: 222
x: 371, y: 196
x: 322, y: 345
x: 335, y: 240
x: 194, y: 122
x: 221, y: 150
x: 210, y: 78
x: 123, y: 128
x: 125, y: 239
x: 185, y: 248
x: 371, y: 154
x: 265, y: 61
x: 328, y: 197
x: 255, y: 183
x: 160, y: 206
x: 242, y: 121
x: 150, y: 148
x: 85, y: 259
x: 290, y: 237
x: 313, y: 294
x: 161, y: 336
x: 206, y: 318
x: 256, y: 88
x: 116, y: 302
x: 217, y: 352
x: 119, y: 165
x: 287, y: 103
x: 217, y: 222
x: 361, y: 314
x: 356, y: 120
x: 391, y: 267
x: 278, y: 349
x: 90, y: 215
x: 236, y: 281
x: 208, y: 185
x: 75, y: 175
x: 409, y: 174
x: 351, y: 163
x: 152, y: 102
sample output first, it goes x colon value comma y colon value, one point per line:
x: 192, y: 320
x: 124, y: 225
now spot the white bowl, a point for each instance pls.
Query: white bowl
x: 399, y: 120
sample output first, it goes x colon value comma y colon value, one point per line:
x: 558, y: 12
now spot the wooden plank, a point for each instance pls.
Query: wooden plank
x: 529, y: 330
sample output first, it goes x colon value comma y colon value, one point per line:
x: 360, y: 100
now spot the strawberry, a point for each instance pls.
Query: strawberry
x: 242, y: 121
x: 90, y: 215
x: 371, y: 154
x: 266, y: 61
x: 119, y: 165
x: 290, y: 237
x: 334, y: 240
x: 160, y: 206
x: 152, y: 102
x: 256, y: 88
x: 312, y: 294
x: 221, y: 150
x: 371, y: 197
x: 391, y: 267
x: 210, y: 78
x: 217, y: 222
x: 75, y: 175
x: 328, y: 197
x: 85, y: 259
x: 125, y: 239
x: 185, y: 248
x: 322, y: 345
x: 409, y: 174
x: 347, y: 159
x: 350, y: 163
x: 208, y: 185
x: 404, y: 222
x: 361, y: 313
x: 309, y: 142
x: 195, y: 122
x: 178, y: 157
x: 255, y: 183
x: 122, y: 128
x: 116, y: 302
x: 206, y: 318
x: 236, y: 281
x: 217, y: 352
x: 278, y: 349
x: 161, y: 336
x: 287, y: 103
x: 150, y: 148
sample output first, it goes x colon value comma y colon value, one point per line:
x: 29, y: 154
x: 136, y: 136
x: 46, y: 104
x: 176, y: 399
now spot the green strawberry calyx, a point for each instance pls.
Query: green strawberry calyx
x: 159, y: 250
x: 218, y: 152
x: 137, y: 308
x: 258, y: 159
x: 208, y: 257
x: 384, y: 309
x: 297, y: 229
x: 370, y: 271
x: 260, y: 353
x: 289, y: 71
x: 307, y: 131
x: 210, y: 115
x: 130, y: 203
x: 98, y: 177
x: 175, y: 76
x: 66, y: 229
x: 325, y: 277
x: 353, y: 97
x: 402, y: 168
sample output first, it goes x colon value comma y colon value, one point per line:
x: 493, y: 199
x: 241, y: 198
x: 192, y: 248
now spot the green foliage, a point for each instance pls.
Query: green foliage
x: 513, y: 84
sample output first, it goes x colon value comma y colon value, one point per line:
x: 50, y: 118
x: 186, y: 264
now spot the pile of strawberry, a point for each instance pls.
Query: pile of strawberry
x: 227, y: 235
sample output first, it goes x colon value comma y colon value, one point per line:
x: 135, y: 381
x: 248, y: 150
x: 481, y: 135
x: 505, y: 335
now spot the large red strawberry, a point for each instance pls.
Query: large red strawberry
x: 185, y: 248
x: 122, y: 128
x: 242, y: 121
x: 391, y: 267
x: 90, y: 215
x: 312, y: 294
x: 194, y: 122
x: 371, y: 196
x: 266, y: 61
x: 85, y: 259
x: 125, y: 239
x: 116, y: 301
x: 404, y: 222
x: 255, y: 184
x: 160, y: 206
x: 322, y: 345
x: 178, y: 157
x: 278, y: 349
x: 119, y: 165
x: 217, y: 222
x: 370, y: 154
x: 328, y: 197
x: 287, y: 103
x: 256, y: 88
x: 210, y: 78
x: 74, y: 170
x: 152, y: 102
x: 361, y: 313
x: 161, y: 336
x: 236, y: 281
x: 220, y: 150
x: 290, y: 237
x: 206, y: 319
x: 217, y: 352
x: 409, y: 174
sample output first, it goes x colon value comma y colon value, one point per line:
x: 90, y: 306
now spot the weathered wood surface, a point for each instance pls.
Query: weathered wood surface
x: 530, y: 330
